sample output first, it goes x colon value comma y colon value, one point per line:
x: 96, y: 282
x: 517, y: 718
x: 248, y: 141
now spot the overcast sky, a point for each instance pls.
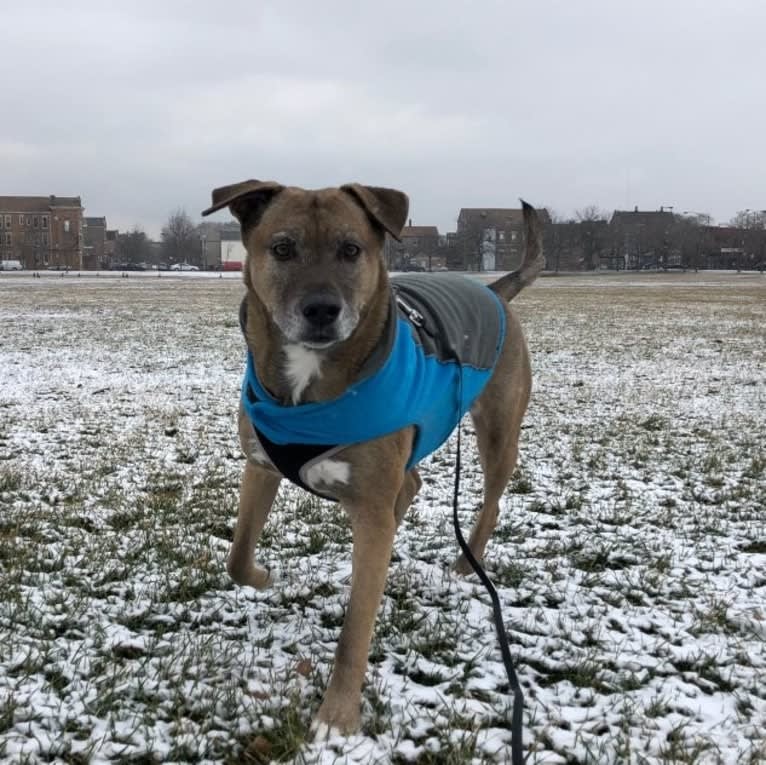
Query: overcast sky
x: 143, y: 107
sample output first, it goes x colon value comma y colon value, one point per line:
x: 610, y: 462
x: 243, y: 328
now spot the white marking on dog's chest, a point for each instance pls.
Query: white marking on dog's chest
x: 302, y: 367
x: 328, y: 472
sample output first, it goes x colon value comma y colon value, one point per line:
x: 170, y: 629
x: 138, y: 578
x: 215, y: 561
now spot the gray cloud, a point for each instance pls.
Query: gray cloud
x: 146, y: 107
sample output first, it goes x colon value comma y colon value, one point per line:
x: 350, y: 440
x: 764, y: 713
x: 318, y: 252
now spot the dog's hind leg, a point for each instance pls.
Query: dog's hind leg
x: 257, y: 493
x: 498, y: 460
x: 497, y: 417
x: 410, y: 488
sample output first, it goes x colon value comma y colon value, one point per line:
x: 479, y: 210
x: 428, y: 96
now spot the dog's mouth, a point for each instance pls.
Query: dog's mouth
x: 320, y: 336
x: 319, y: 343
x: 317, y: 333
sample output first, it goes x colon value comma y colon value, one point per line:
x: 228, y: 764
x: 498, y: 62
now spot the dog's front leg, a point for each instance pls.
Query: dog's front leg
x: 373, y: 530
x: 259, y: 487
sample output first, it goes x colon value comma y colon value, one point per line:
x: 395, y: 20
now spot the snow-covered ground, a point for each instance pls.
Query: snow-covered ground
x: 630, y: 557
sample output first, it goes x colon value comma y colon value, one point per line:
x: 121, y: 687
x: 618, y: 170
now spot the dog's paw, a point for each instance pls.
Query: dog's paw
x: 336, y: 718
x: 321, y: 732
x: 265, y: 578
x: 255, y: 576
x: 462, y: 567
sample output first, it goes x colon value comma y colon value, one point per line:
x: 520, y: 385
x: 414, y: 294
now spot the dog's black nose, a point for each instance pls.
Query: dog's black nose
x: 320, y: 311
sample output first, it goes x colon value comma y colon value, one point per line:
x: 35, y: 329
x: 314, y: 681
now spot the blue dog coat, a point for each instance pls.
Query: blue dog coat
x: 442, y: 339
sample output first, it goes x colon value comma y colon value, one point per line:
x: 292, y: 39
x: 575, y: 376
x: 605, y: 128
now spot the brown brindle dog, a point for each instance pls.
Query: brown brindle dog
x: 318, y: 297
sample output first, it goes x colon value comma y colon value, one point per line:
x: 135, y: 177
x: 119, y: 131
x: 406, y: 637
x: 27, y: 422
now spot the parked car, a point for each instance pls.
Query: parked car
x: 183, y: 267
x: 11, y: 265
x: 128, y: 267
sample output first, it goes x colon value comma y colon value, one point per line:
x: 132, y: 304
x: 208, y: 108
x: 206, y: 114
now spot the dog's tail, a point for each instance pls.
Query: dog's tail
x: 508, y: 286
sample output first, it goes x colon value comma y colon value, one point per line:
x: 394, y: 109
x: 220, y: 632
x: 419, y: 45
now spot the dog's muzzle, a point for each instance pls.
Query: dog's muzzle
x: 320, y: 314
x: 320, y: 311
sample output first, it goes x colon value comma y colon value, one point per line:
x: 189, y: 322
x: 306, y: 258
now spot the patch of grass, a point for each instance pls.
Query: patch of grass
x: 521, y: 484
x: 278, y: 742
x: 756, y: 468
x: 8, y: 707
x: 11, y: 478
x: 600, y: 559
x: 680, y: 750
x: 705, y: 672
x: 658, y: 707
x: 164, y: 497
x: 584, y: 673
x: 508, y: 573
x: 714, y: 618
x: 654, y: 423
x: 565, y: 504
x: 127, y: 519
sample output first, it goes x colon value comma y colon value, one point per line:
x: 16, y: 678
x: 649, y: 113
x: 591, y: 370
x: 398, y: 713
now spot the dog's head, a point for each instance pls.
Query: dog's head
x: 314, y: 257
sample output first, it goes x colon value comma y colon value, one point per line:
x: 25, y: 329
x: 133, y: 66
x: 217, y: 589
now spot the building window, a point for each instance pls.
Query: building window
x: 66, y: 226
x: 8, y: 239
x: 29, y: 220
x: 8, y: 222
x: 513, y: 235
x: 36, y: 221
x: 45, y: 238
x: 45, y: 221
x: 501, y: 236
x: 21, y: 220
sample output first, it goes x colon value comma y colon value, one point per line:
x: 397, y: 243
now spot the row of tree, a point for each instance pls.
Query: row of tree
x: 180, y: 243
x: 593, y: 239
x: 588, y: 240
x: 662, y: 239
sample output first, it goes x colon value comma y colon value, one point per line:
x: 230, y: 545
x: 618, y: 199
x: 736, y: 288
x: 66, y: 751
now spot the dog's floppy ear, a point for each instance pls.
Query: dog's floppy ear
x: 387, y: 207
x: 246, y: 200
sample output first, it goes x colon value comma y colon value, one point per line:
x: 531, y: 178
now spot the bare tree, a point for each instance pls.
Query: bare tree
x: 751, y: 220
x: 590, y: 213
x: 133, y: 247
x: 752, y: 224
x: 554, y: 215
x: 180, y: 241
x: 687, y: 239
x: 700, y: 219
x: 471, y: 245
x: 592, y: 230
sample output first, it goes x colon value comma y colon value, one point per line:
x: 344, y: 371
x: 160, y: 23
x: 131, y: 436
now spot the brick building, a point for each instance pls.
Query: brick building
x: 94, y: 255
x: 576, y: 245
x: 418, y: 246
x: 42, y: 232
x: 110, y: 247
x: 492, y: 238
x: 643, y: 239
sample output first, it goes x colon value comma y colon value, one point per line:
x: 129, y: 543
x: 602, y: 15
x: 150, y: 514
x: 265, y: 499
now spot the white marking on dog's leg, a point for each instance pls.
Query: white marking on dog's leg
x: 323, y: 732
x: 328, y: 472
x: 302, y: 366
x: 257, y: 454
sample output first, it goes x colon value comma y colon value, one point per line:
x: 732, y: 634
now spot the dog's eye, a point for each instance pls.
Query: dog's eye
x: 350, y: 251
x: 282, y: 250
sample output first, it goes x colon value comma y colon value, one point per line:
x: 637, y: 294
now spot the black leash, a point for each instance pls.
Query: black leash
x: 517, y: 754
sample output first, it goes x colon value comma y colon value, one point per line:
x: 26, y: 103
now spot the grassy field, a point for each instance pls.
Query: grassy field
x: 630, y: 557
